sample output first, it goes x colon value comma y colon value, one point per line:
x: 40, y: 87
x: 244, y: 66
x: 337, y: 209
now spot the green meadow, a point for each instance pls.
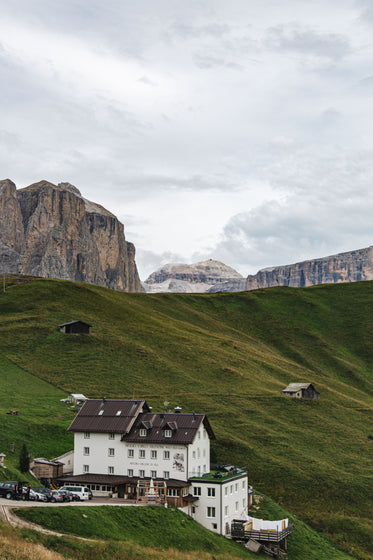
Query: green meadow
x: 228, y: 355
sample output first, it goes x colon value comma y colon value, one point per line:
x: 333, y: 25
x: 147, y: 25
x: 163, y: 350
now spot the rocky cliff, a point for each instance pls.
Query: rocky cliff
x: 352, y: 266
x: 52, y: 231
x: 195, y: 278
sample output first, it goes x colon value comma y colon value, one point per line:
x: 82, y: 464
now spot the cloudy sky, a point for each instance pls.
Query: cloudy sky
x: 239, y: 131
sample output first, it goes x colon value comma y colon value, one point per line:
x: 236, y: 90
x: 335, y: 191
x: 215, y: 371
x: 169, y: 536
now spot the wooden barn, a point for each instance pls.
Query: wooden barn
x: 42, y: 468
x: 75, y: 327
x: 301, y: 391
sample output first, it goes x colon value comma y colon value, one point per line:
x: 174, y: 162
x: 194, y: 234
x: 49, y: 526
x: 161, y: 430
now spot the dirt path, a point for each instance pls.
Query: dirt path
x: 7, y: 514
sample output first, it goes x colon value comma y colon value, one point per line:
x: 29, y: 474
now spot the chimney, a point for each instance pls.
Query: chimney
x: 177, y: 409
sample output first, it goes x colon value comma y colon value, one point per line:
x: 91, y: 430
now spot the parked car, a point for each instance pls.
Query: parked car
x: 56, y: 496
x: 78, y: 492
x: 47, y: 492
x: 67, y: 496
x: 37, y: 496
x: 8, y: 489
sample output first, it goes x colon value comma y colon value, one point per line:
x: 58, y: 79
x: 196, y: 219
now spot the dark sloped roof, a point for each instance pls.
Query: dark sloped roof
x: 74, y: 323
x: 101, y: 415
x: 294, y: 387
x: 183, y: 426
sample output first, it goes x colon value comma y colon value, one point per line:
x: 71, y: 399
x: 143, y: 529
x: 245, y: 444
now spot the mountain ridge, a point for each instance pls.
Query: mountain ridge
x: 52, y: 231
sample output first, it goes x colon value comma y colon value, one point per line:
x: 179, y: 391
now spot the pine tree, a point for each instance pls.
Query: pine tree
x: 24, y: 461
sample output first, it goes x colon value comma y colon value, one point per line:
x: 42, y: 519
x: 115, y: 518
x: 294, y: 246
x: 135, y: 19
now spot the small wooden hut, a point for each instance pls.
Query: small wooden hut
x: 75, y: 327
x: 301, y: 391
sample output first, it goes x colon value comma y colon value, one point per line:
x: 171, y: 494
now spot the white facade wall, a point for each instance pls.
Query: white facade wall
x: 230, y: 502
x: 98, y: 459
x: 159, y: 458
x: 199, y: 454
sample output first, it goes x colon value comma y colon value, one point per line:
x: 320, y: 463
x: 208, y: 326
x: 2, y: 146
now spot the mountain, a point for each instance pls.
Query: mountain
x: 205, y: 276
x: 52, y: 231
x: 352, y: 266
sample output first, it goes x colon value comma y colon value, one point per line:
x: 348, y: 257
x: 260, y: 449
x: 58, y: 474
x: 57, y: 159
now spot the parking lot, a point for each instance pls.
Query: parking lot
x: 93, y: 502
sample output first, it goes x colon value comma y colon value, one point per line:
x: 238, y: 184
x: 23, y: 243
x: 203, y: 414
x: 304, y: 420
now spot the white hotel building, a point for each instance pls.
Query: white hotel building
x: 123, y: 448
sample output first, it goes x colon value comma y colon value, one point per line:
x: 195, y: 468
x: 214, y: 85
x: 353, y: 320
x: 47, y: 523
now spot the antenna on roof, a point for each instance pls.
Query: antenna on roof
x: 166, y: 403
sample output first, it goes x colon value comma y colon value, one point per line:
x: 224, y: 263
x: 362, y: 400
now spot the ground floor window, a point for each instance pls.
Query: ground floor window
x: 172, y: 493
x: 210, y: 512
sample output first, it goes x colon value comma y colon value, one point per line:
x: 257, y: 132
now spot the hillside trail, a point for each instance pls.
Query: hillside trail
x: 7, y: 514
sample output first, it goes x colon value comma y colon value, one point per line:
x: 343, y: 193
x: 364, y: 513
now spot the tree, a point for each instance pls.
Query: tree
x: 24, y: 460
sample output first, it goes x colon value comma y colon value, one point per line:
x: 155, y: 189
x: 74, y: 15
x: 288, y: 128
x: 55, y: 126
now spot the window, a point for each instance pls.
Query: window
x: 226, y: 491
x: 244, y: 503
x: 166, y: 475
x: 111, y: 435
x: 199, y: 435
x: 143, y: 432
x: 236, y: 506
x: 172, y: 492
x: 130, y: 472
x: 142, y: 453
x: 111, y: 470
x: 111, y: 451
x: 166, y: 454
x: 231, y: 488
x: 168, y: 433
x: 86, y: 451
x: 85, y: 468
x: 198, y: 453
x: 141, y: 473
x: 154, y: 454
x: 211, y: 492
x: 226, y: 510
x: 130, y: 453
x: 197, y: 491
x: 87, y: 435
x: 204, y: 452
x: 236, y: 487
x: 243, y: 484
x: 214, y: 525
x: 153, y: 474
x: 193, y: 454
x: 210, y: 512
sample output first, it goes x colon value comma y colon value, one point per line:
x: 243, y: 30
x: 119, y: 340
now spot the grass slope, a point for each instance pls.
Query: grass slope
x: 166, y: 529
x: 228, y: 355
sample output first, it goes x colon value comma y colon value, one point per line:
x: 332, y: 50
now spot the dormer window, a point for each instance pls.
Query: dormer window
x: 168, y: 433
x: 143, y: 432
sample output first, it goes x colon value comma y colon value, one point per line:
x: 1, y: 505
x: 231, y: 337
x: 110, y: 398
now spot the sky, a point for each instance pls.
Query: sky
x: 239, y: 131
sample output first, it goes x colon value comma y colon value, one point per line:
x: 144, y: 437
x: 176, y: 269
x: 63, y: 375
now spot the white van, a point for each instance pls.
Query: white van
x: 81, y: 492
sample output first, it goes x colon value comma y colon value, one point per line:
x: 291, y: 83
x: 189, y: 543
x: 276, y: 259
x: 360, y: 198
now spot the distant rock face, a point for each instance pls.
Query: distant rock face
x: 52, y: 231
x: 194, y: 278
x: 344, y: 267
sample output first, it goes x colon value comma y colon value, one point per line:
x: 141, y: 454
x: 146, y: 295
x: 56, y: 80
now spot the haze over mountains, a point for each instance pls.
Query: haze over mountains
x: 51, y: 231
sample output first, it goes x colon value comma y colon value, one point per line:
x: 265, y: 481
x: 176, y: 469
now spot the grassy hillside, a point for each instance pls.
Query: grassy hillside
x: 228, y: 355
x: 170, y: 529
